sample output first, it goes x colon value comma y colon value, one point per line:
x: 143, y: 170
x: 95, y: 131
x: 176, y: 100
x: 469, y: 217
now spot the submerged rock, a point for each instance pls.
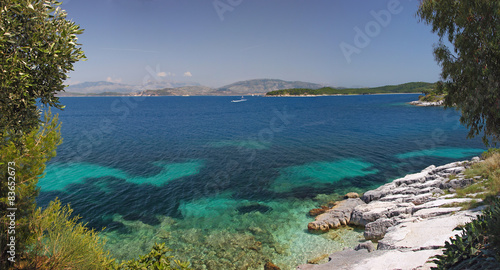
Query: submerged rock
x: 117, y: 226
x: 351, y: 195
x: 271, y: 266
x: 318, y: 211
x: 318, y: 259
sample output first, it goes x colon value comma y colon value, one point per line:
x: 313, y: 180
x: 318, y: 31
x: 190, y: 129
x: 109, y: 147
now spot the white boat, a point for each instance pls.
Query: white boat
x: 239, y: 100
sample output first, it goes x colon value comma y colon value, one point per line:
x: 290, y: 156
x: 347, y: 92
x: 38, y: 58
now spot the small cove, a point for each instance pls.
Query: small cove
x: 229, y: 185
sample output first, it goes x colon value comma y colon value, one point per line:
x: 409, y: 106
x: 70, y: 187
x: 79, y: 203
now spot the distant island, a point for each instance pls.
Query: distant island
x: 412, y: 87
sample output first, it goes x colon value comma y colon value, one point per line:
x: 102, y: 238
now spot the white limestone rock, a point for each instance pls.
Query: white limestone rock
x: 364, y: 214
x: 376, y: 230
x: 338, y: 216
x: 433, y: 212
x: 409, y: 235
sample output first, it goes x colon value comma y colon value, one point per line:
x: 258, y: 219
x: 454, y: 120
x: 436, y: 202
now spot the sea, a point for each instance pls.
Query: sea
x: 229, y: 185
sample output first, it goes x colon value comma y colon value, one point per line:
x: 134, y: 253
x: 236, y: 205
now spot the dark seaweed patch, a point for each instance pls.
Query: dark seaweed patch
x: 254, y: 207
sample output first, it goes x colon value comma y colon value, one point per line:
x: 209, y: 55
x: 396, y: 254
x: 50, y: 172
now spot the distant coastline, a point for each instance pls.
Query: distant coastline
x: 68, y: 94
x: 259, y: 87
x: 172, y: 88
x: 406, y: 88
x: 340, y: 95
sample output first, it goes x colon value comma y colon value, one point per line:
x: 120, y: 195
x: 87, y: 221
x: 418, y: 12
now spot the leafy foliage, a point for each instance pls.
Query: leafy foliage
x: 38, y: 46
x: 414, y: 87
x: 431, y: 97
x: 39, y: 147
x: 471, y: 70
x: 478, y: 238
x: 463, y: 247
x: 437, y: 93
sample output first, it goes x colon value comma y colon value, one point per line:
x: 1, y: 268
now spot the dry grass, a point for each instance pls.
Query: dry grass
x: 476, y: 190
x: 465, y: 205
x: 489, y: 170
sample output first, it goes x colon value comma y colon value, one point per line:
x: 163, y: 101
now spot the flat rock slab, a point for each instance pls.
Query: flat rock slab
x: 412, y: 178
x: 433, y: 212
x: 421, y: 234
x: 376, y: 260
x: 449, y: 165
x: 396, y: 198
x: 443, y: 201
x: 396, y: 259
x: 343, y: 260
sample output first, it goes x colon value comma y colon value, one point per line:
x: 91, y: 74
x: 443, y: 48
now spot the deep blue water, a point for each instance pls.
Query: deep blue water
x: 148, y: 158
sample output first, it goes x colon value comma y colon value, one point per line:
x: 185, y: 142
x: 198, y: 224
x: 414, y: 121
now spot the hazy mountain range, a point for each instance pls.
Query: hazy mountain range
x: 256, y: 86
x: 262, y: 86
x: 103, y: 86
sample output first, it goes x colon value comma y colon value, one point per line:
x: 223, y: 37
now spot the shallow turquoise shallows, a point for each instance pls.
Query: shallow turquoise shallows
x: 229, y: 185
x: 58, y: 176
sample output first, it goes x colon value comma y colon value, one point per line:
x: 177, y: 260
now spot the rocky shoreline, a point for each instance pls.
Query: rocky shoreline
x: 427, y: 104
x: 406, y: 221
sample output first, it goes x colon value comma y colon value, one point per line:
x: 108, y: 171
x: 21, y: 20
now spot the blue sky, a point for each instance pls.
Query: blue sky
x: 347, y: 43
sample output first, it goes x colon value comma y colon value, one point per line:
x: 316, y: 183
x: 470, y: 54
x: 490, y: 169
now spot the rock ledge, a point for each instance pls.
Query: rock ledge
x: 410, y: 218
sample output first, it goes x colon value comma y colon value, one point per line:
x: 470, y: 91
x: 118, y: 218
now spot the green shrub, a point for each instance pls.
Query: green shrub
x: 39, y: 46
x: 479, y: 237
x: 428, y: 98
x: 64, y: 243
x: 494, y: 226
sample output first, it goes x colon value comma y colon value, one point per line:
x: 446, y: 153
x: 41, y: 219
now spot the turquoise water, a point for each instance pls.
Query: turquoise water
x: 320, y: 173
x: 229, y: 185
x: 57, y: 175
x: 442, y: 152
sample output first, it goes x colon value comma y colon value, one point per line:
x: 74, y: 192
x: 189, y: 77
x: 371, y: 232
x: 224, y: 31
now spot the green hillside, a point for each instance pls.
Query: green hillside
x: 412, y: 87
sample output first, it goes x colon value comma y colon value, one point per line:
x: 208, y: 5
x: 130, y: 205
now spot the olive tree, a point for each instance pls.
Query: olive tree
x: 470, y: 60
x: 38, y: 46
